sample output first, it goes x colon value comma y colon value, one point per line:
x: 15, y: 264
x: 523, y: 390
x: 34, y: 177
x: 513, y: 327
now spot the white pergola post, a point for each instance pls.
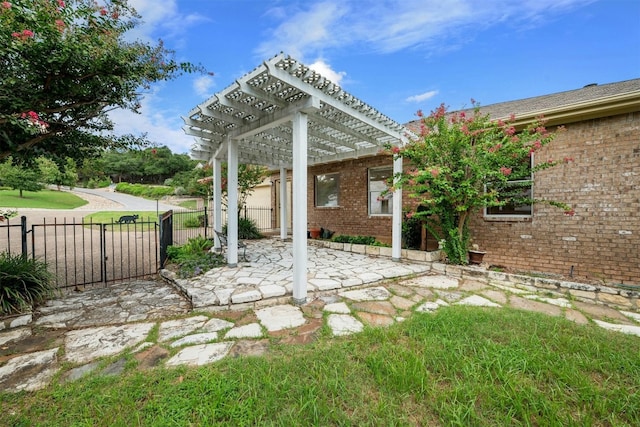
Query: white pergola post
x: 299, y: 127
x: 284, y: 204
x: 232, y: 200
x: 396, y: 230
x: 217, y: 200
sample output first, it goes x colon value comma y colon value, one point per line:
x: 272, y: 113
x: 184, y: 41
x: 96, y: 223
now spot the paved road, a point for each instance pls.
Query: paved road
x: 128, y: 202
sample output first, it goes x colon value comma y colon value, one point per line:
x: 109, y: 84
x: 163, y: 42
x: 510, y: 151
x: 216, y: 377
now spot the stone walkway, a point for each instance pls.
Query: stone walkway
x: 242, y: 311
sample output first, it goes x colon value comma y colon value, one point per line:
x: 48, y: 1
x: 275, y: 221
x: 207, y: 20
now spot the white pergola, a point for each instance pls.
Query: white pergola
x: 284, y: 115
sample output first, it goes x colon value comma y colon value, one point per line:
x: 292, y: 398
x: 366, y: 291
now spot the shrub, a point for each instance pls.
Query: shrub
x: 147, y: 191
x: 192, y: 222
x: 247, y: 229
x: 356, y: 240
x: 194, y: 258
x: 24, y: 283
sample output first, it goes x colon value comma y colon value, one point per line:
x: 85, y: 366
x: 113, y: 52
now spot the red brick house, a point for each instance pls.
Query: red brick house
x: 602, y: 240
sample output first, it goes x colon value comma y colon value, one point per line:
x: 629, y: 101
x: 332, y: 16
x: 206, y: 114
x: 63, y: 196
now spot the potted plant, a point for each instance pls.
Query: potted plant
x: 314, y: 232
x: 476, y: 255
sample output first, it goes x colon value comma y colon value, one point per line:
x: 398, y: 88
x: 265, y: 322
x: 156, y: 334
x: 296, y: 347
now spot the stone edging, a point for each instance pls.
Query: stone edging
x: 15, y: 321
x: 595, y: 294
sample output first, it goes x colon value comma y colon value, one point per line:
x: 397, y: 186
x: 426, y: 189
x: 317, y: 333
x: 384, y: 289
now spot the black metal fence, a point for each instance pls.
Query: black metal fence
x: 86, y: 253
x: 199, y: 222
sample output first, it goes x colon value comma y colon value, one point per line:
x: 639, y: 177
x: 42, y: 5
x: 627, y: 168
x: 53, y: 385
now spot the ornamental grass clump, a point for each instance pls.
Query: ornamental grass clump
x: 24, y: 283
x: 463, y: 162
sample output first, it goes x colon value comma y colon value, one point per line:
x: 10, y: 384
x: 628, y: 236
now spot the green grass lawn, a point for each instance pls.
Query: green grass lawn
x: 189, y: 204
x: 461, y: 366
x: 45, y: 199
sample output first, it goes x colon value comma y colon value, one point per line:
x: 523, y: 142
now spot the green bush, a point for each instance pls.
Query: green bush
x: 193, y: 258
x: 247, y: 229
x: 356, y: 240
x: 98, y: 183
x: 24, y: 283
x: 192, y: 222
x: 147, y: 191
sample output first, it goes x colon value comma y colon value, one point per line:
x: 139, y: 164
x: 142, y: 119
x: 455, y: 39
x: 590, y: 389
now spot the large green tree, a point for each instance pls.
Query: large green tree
x: 64, y: 65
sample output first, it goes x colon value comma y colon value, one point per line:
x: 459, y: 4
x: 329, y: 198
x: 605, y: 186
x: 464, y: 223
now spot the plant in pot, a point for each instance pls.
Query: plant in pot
x: 463, y: 162
x: 476, y: 255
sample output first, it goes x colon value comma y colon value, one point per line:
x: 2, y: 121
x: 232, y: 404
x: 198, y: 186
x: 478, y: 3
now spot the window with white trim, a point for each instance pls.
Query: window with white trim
x: 327, y: 188
x: 517, y: 189
x: 380, y: 204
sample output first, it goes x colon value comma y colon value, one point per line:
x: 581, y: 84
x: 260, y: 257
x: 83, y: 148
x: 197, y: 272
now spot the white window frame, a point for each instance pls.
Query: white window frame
x: 388, y: 198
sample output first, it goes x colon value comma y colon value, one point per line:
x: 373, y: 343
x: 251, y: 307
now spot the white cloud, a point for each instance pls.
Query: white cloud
x: 203, y: 85
x: 422, y: 97
x: 326, y: 71
x: 162, y: 127
x: 393, y: 25
x: 164, y: 19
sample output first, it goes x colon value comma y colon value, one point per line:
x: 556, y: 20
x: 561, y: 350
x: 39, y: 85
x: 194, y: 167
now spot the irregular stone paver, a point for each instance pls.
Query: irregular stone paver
x: 494, y: 295
x: 216, y: 325
x: 477, y: 301
x: 373, y: 319
x: 244, y: 348
x: 377, y: 293
x: 401, y: 303
x: 195, y: 339
x: 601, y: 311
x: 325, y: 284
x: 634, y: 316
x: 85, y: 345
x: 179, y: 327
x: 576, y: 316
x: 247, y: 296
x: 344, y: 324
x: 625, y: 329
x: 530, y: 305
x: 376, y: 307
x: 270, y: 291
x: 338, y: 308
x: 280, y: 317
x: 560, y: 302
x: 29, y: 372
x: 20, y: 321
x: 14, y: 335
x: 252, y: 330
x: 201, y: 354
x: 435, y: 282
x: 79, y: 372
x: 431, y: 306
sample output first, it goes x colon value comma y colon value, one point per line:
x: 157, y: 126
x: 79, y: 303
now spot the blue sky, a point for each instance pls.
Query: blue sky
x: 397, y: 55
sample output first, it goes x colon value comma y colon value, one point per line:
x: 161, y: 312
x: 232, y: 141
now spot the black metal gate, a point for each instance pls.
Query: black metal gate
x: 86, y: 253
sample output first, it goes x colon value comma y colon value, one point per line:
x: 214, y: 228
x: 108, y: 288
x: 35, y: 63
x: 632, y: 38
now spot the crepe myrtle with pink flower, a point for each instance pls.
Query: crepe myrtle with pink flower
x: 463, y: 162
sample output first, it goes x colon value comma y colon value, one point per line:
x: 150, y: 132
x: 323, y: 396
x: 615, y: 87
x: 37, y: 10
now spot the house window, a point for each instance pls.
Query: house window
x: 515, y: 190
x: 327, y: 190
x: 519, y: 189
x: 380, y: 204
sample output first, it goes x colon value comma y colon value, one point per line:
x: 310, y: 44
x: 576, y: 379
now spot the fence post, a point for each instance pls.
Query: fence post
x: 245, y: 211
x: 23, y: 235
x: 206, y: 221
x: 103, y: 252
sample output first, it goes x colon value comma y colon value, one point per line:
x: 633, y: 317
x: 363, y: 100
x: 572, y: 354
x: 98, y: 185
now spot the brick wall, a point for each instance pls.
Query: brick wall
x: 602, y: 184
x: 602, y: 240
x: 352, y: 215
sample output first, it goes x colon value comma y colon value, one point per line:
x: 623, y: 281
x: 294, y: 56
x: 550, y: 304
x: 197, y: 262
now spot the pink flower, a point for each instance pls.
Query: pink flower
x: 395, y: 149
x: 463, y: 115
x: 510, y: 130
x: 434, y: 172
x: 409, y: 215
x: 568, y: 159
x: 500, y: 123
x: 495, y: 148
x: 14, y: 34
x: 27, y: 33
x: 537, y: 145
x: 550, y: 161
x: 103, y: 11
x: 60, y: 3
x: 570, y: 212
x: 512, y: 117
x: 419, y: 113
x: 6, y: 5
x: 464, y: 129
x: 505, y: 171
x: 60, y: 24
